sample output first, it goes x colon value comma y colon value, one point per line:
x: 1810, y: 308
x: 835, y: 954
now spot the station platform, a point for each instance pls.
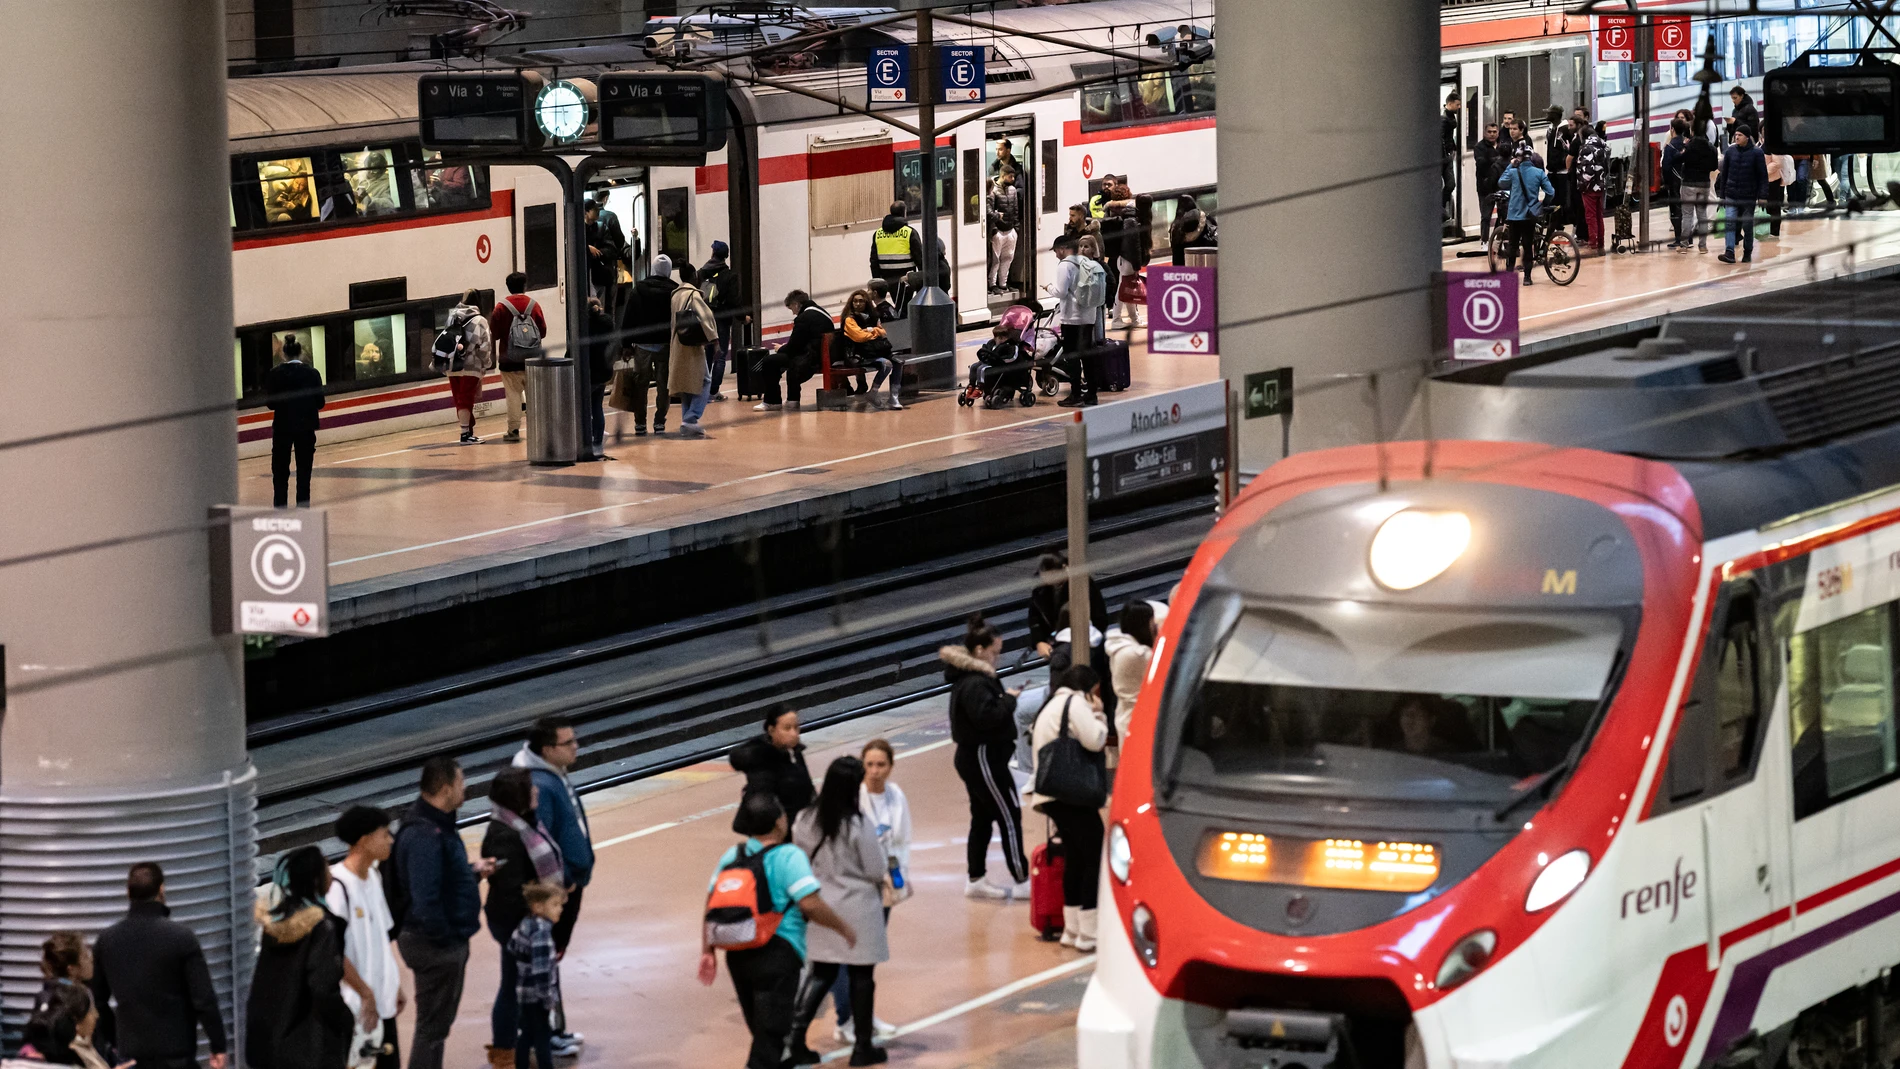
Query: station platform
x: 968, y: 983
x: 1619, y: 292
x: 418, y: 521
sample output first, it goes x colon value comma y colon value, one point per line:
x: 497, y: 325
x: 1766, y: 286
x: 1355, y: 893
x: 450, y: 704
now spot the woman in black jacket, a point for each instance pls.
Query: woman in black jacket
x: 1049, y: 614
x: 297, y: 1016
x: 524, y: 853
x: 983, y: 726
x: 774, y: 762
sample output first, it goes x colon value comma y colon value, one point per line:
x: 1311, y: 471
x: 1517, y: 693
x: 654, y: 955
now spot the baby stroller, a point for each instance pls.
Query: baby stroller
x: 1004, y: 363
x: 1624, y: 239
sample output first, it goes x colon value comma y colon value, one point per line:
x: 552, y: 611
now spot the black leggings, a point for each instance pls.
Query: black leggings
x: 984, y: 768
x: 1081, y: 829
x: 766, y: 981
x: 1523, y: 239
x: 819, y: 983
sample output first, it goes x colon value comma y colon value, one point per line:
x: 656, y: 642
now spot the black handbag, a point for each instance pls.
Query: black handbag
x: 1070, y: 773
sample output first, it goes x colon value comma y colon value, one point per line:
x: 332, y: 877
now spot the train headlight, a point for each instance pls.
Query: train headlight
x: 1559, y: 878
x: 1414, y: 546
x: 1472, y: 953
x: 1120, y: 856
x: 1143, y: 932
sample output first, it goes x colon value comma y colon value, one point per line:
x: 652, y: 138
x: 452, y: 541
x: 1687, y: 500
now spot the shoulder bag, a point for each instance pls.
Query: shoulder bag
x: 1070, y: 773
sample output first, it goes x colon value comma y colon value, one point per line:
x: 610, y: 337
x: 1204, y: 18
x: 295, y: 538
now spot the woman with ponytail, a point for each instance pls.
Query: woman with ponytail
x: 298, y: 1019
x: 983, y: 726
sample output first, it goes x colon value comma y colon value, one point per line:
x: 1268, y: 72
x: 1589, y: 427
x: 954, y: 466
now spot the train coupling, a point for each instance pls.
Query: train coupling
x: 1286, y: 1039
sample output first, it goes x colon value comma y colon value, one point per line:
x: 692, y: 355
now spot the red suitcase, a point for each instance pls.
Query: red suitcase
x: 1045, y: 890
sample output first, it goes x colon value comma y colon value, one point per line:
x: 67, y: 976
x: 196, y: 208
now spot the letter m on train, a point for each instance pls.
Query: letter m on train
x: 1556, y: 582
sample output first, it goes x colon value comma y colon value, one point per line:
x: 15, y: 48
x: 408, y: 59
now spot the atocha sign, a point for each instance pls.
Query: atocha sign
x: 1153, y: 441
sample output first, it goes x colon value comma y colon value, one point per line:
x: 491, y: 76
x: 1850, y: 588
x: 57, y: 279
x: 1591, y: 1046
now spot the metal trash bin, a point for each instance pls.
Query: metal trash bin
x: 553, y: 422
x: 1201, y: 256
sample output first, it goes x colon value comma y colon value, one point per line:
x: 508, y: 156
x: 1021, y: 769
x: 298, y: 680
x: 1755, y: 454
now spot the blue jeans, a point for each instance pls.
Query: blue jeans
x: 717, y: 355
x: 1740, y: 223
x: 504, y: 1019
x: 695, y: 405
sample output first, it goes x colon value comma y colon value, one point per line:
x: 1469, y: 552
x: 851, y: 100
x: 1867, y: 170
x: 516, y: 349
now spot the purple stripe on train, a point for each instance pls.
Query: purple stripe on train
x: 368, y: 415
x: 1751, y: 976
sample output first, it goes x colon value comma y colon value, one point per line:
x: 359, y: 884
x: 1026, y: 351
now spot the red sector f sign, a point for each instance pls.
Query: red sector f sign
x: 1616, y: 38
x: 1671, y: 36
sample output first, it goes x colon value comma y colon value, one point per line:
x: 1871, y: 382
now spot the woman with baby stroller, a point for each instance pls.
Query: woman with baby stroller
x: 1004, y: 363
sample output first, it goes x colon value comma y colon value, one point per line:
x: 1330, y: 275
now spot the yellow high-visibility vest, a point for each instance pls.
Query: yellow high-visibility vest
x: 893, y: 250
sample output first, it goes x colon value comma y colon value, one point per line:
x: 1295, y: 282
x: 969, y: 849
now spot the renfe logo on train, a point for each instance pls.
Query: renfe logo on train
x: 1670, y: 893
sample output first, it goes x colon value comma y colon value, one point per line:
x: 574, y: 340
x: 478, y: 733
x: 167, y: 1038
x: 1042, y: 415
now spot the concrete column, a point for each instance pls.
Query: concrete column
x: 123, y: 736
x: 1320, y: 97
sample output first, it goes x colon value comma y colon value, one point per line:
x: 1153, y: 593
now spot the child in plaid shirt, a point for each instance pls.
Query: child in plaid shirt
x: 537, y: 977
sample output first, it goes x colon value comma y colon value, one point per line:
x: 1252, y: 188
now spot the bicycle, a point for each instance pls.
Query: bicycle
x: 1552, y: 246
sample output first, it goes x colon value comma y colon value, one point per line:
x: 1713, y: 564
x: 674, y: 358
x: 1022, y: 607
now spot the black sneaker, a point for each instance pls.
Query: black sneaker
x: 1072, y: 401
x: 468, y: 438
x: 1727, y: 257
x: 639, y: 432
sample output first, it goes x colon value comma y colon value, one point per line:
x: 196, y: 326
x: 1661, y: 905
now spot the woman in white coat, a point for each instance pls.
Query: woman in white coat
x: 1130, y: 648
x: 850, y: 866
x: 1078, y: 699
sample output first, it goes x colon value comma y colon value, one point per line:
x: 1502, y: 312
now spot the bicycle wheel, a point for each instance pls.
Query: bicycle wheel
x: 1498, y: 248
x: 1562, y: 259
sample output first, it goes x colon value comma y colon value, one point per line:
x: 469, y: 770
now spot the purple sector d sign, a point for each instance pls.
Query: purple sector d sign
x: 1481, y: 315
x: 1183, y: 312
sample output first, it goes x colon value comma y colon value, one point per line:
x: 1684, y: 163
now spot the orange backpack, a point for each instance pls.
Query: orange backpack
x: 739, y: 913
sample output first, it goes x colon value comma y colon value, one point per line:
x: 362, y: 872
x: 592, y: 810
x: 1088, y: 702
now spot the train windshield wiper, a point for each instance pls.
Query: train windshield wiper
x: 1544, y: 786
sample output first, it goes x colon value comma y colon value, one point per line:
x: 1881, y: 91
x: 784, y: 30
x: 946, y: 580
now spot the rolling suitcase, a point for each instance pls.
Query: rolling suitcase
x: 746, y: 360
x: 1045, y: 890
x: 1114, y: 365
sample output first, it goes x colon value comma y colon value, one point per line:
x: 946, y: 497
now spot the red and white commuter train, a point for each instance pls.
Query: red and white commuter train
x: 1566, y: 740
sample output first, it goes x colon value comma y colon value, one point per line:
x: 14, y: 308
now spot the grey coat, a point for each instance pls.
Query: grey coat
x: 850, y: 871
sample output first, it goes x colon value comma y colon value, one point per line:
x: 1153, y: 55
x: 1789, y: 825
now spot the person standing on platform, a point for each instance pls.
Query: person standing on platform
x: 1741, y: 181
x: 888, y: 811
x: 441, y: 905
x: 1074, y: 710
x: 1672, y: 177
x: 1448, y: 156
x: 534, y: 963
x: 1080, y: 287
x: 851, y: 867
x: 1591, y: 174
x: 1742, y: 113
x: 647, y: 327
x: 797, y: 359
x: 1780, y: 177
x: 766, y: 977
x: 155, y: 968
x: 687, y: 366
x: 720, y: 283
x: 1489, y: 167
x: 474, y: 356
x: 295, y: 1014
x: 774, y: 762
x: 1531, y: 195
x: 549, y: 755
x: 1006, y: 219
x: 525, y: 853
x: 1699, y: 162
x: 601, y: 345
x: 517, y: 326
x: 372, y: 981
x: 896, y: 250
x: 983, y: 727
x: 293, y: 390
x: 1130, y: 649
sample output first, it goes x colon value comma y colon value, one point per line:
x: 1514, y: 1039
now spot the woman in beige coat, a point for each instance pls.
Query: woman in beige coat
x: 686, y: 364
x: 1078, y: 696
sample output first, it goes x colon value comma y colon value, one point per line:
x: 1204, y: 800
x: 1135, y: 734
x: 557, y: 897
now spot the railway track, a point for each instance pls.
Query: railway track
x: 659, y: 698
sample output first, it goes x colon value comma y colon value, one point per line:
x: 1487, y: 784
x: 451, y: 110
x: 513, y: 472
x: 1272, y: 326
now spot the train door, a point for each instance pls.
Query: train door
x: 1477, y: 113
x: 1717, y: 770
x: 1009, y: 150
x: 1451, y: 168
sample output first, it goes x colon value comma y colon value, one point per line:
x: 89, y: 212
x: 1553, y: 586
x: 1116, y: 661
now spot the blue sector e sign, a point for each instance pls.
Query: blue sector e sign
x: 963, y: 80
x: 887, y: 75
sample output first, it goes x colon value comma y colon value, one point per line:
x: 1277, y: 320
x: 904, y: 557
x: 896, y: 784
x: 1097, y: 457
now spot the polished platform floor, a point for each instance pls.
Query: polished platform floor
x: 968, y: 983
x: 417, y: 498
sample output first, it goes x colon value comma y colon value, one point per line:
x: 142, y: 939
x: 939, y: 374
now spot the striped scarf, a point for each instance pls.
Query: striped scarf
x: 541, y: 849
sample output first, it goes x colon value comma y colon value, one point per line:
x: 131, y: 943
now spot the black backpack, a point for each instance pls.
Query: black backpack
x: 445, y: 352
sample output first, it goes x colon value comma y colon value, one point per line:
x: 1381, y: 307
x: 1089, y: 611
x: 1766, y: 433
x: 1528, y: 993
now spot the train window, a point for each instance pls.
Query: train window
x: 1124, y: 98
x: 1459, y: 708
x: 972, y: 186
x: 369, y: 175
x: 438, y: 187
x: 540, y: 260
x: 379, y: 347
x: 1718, y: 733
x: 1841, y: 708
x: 672, y: 209
x: 1050, y: 163
x: 289, y: 189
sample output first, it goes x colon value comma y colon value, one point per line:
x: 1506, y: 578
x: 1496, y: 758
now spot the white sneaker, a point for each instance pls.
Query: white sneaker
x: 1019, y: 892
x: 766, y: 406
x: 883, y: 1028
x: 692, y: 430
x: 983, y: 889
x: 1085, y: 938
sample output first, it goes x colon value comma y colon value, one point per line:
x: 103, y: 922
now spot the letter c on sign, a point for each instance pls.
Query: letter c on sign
x: 483, y: 248
x: 277, y: 564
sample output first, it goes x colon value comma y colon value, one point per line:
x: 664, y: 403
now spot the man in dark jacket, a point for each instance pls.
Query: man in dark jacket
x: 983, y: 727
x: 647, y: 326
x: 444, y: 906
x: 797, y: 359
x: 720, y: 283
x: 602, y: 344
x: 1448, y: 154
x: 156, y: 969
x: 293, y: 390
x: 1742, y: 112
x: 775, y: 762
x: 896, y: 250
x: 1741, y: 181
x: 1489, y: 166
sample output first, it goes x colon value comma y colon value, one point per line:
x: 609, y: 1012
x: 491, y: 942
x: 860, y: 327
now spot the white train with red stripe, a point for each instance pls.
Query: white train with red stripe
x: 326, y: 248
x: 1566, y: 740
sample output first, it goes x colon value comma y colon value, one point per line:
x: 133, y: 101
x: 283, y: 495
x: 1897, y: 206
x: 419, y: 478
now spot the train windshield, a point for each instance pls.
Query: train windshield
x: 1356, y: 701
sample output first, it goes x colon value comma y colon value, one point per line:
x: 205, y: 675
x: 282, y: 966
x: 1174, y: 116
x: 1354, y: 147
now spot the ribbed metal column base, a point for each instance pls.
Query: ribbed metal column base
x: 63, y: 860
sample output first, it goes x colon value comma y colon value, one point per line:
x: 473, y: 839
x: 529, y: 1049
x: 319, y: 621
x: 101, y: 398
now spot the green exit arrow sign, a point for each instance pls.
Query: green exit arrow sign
x: 1269, y: 393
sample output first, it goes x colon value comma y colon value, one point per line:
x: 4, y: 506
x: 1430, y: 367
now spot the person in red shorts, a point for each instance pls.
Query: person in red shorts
x: 473, y: 360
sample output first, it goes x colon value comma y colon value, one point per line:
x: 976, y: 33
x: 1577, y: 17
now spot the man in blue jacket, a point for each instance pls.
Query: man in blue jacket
x: 438, y: 905
x: 551, y: 750
x: 1741, y: 181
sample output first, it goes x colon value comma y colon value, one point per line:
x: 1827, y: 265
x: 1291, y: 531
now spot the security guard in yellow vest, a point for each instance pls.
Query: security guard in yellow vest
x: 896, y: 250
